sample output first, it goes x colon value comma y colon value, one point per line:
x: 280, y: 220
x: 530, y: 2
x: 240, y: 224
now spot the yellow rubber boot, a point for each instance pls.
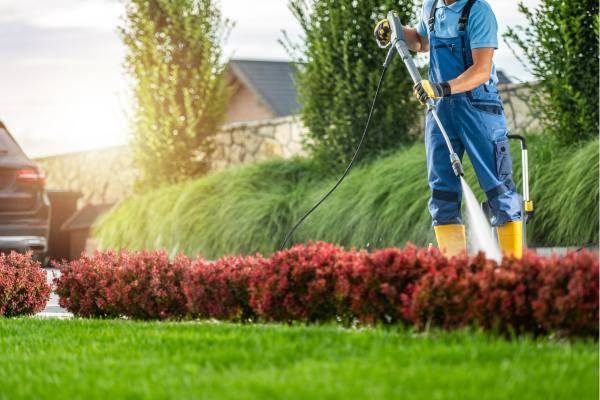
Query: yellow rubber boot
x: 510, y: 236
x: 451, y: 239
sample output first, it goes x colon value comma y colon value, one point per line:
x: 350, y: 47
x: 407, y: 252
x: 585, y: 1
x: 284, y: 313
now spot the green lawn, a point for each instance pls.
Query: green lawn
x: 121, y: 359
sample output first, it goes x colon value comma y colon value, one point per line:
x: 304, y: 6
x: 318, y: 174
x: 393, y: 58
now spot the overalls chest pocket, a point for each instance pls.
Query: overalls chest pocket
x: 446, y: 58
x: 485, y: 98
x: 448, y: 46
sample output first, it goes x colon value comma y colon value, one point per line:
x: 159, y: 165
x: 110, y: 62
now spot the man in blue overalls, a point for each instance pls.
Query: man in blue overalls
x: 461, y: 36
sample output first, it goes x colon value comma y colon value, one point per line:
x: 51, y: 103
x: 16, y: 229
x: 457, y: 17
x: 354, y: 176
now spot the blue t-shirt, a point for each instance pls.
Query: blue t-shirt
x: 482, y: 28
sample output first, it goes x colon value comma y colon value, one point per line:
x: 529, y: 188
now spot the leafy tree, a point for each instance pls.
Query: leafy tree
x: 174, y: 58
x: 560, y: 44
x: 338, y: 67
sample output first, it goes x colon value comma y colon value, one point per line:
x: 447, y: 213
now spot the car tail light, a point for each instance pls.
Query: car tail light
x: 31, y: 176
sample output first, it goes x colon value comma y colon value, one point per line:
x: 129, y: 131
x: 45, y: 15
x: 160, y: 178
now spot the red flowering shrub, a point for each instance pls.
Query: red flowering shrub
x: 86, y: 287
x: 149, y: 286
x: 567, y: 300
x: 535, y: 295
x: 23, y: 286
x: 322, y: 282
x: 443, y: 296
x: 297, y: 284
x: 137, y: 285
x: 505, y: 295
x: 220, y: 289
x: 379, y: 286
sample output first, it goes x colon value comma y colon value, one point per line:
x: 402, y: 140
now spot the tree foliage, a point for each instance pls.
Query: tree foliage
x: 338, y: 68
x: 560, y: 44
x: 174, y: 60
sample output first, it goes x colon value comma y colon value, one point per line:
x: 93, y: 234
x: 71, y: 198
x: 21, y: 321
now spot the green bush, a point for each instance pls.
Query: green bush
x: 566, y: 192
x: 560, y: 44
x: 174, y: 60
x: 339, y: 65
x: 384, y: 203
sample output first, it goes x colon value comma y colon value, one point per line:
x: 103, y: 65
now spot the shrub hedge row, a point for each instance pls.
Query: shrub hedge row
x: 320, y: 282
x: 23, y: 286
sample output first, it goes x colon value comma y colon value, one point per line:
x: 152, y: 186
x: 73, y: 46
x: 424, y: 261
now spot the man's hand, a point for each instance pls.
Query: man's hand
x: 383, y: 33
x: 425, y: 90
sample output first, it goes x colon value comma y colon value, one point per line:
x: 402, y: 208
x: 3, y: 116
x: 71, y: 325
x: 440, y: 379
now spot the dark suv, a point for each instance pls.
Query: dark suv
x: 24, y: 205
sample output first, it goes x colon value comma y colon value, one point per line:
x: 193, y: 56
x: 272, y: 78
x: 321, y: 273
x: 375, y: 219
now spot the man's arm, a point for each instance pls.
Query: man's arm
x: 414, y: 41
x: 477, y: 74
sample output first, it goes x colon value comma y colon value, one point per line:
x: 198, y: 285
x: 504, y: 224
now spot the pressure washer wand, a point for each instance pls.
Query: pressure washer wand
x: 399, y: 42
x: 456, y: 164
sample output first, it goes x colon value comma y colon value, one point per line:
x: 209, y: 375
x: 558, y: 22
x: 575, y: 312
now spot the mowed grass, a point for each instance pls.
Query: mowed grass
x: 68, y: 359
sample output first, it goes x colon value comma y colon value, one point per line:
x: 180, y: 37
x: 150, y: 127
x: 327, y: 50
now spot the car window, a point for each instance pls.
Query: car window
x: 7, y: 144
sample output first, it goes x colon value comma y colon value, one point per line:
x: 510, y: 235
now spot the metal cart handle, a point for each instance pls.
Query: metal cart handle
x: 527, y: 203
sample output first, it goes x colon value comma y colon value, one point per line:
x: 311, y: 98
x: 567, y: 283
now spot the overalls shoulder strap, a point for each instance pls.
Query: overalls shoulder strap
x: 431, y: 20
x: 462, y: 22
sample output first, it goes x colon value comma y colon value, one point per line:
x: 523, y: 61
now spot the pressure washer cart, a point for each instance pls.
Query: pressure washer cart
x: 527, y: 207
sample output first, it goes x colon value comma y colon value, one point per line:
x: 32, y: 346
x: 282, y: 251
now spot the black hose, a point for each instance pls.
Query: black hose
x: 348, y: 168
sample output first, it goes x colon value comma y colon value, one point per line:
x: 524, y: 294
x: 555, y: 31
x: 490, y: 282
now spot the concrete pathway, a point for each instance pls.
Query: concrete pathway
x: 53, y: 310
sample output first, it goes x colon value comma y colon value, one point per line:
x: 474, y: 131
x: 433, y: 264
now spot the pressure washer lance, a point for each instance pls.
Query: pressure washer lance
x: 397, y: 43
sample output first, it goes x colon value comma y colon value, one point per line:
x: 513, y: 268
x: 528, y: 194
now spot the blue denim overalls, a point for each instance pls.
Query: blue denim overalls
x: 476, y: 123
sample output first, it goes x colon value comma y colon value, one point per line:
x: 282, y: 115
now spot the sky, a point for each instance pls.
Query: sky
x: 63, y: 85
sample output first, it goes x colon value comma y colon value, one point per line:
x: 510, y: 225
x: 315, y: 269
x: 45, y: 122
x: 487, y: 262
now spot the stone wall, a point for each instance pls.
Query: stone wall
x: 517, y: 106
x: 244, y: 142
x: 102, y: 176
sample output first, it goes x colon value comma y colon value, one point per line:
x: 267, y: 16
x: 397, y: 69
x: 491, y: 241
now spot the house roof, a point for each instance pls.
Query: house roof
x: 502, y: 77
x: 271, y: 81
x: 85, y: 217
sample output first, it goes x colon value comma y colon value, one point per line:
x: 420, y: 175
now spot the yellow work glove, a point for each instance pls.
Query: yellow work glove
x: 383, y: 33
x: 425, y: 90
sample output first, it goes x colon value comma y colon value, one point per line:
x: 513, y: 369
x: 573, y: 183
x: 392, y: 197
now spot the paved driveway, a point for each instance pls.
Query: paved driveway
x: 53, y: 310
